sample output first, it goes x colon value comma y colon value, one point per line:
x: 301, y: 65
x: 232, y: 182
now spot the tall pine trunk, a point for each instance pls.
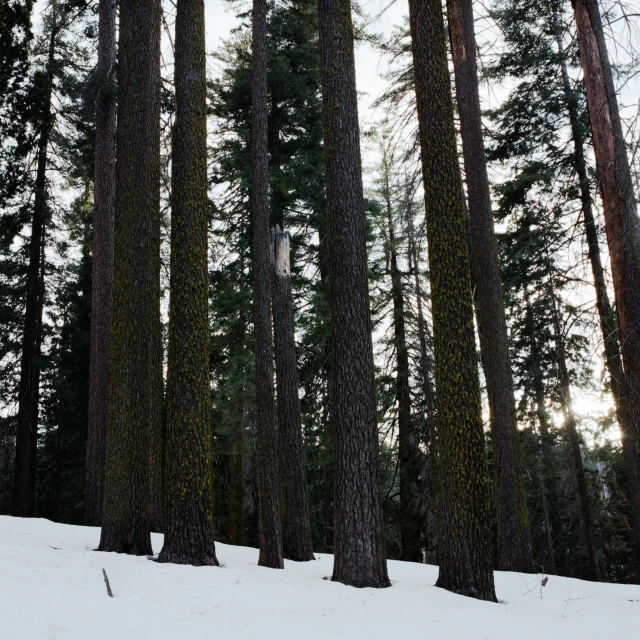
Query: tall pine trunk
x: 359, y: 555
x: 512, y: 514
x: 610, y: 336
x: 266, y: 433
x: 104, y: 197
x: 464, y: 536
x: 296, y: 527
x: 408, y: 451
x: 24, y: 487
x: 135, y: 396
x: 618, y: 200
x: 189, y: 532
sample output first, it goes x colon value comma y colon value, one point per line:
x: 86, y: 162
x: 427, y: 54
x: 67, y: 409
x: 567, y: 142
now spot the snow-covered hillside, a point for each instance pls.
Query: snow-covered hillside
x: 51, y: 586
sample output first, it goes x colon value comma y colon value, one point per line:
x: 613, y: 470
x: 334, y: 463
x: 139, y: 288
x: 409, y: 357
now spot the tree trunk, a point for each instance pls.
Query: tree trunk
x: 296, y: 527
x: 620, y: 211
x: 359, y: 555
x: 574, y: 445
x: 189, y: 535
x: 135, y: 397
x: 408, y: 452
x: 464, y: 540
x: 430, y: 434
x: 104, y: 194
x: 512, y: 514
x: 426, y: 365
x: 24, y: 488
x: 237, y: 489
x: 610, y: 336
x: 266, y: 434
x: 550, y: 503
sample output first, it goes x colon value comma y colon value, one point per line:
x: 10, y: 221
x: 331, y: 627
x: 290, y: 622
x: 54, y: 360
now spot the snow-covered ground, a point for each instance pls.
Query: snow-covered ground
x: 51, y: 586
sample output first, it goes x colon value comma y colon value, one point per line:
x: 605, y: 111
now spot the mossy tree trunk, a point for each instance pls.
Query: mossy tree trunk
x: 189, y: 532
x: 464, y: 537
x: 266, y: 432
x: 135, y: 396
x: 359, y: 555
x: 296, y: 528
x: 618, y: 199
x: 512, y: 514
x: 104, y: 194
x: 24, y: 481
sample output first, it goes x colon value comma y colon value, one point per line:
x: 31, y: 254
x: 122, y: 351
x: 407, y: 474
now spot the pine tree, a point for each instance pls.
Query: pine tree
x: 464, y: 543
x: 618, y: 198
x: 514, y: 538
x: 135, y: 392
x: 613, y: 358
x: 102, y: 279
x: 409, y: 458
x: 189, y: 536
x: 297, y: 543
x: 24, y: 492
x: 359, y: 557
x: 266, y: 434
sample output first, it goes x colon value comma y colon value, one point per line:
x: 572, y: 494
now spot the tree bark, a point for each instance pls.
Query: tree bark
x: 359, y: 555
x: 266, y: 433
x: 610, y: 334
x: 296, y: 527
x: 620, y: 209
x: 104, y: 194
x: 464, y: 539
x: 135, y: 396
x: 24, y: 487
x: 189, y: 535
x: 574, y: 445
x: 512, y: 514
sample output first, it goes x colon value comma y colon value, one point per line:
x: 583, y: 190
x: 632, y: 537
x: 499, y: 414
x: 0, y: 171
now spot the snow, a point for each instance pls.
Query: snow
x: 51, y: 586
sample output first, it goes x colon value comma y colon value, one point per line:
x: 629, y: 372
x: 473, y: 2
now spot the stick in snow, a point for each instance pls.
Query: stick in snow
x: 106, y: 581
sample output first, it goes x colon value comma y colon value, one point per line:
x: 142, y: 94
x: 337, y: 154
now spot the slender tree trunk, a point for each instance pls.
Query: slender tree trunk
x: 266, y: 433
x: 24, y: 488
x: 359, y: 555
x: 574, y: 445
x: 189, y: 535
x: 430, y: 434
x: 237, y: 489
x: 610, y: 336
x: 104, y: 197
x: 464, y: 540
x: 545, y: 515
x: 620, y: 210
x: 408, y: 452
x: 296, y: 527
x: 550, y: 503
x: 512, y: 514
x: 426, y: 365
x: 135, y: 397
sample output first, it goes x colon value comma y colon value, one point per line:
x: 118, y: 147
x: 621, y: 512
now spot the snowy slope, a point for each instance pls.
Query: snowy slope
x: 51, y: 586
